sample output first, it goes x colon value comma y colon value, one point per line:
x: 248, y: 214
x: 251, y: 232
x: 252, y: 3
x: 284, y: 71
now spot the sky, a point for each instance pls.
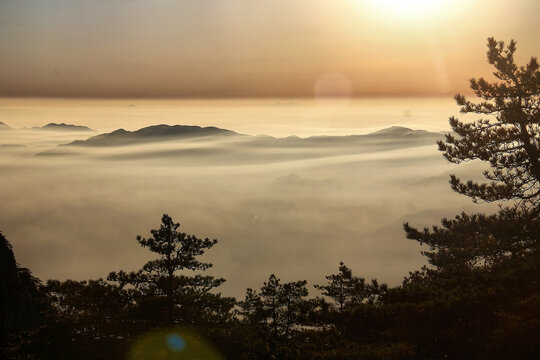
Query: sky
x: 254, y: 48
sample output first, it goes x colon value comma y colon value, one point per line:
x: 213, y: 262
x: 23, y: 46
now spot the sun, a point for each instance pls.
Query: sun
x: 409, y: 8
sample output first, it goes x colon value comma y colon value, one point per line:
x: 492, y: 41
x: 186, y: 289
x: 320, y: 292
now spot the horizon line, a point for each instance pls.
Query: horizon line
x: 174, y: 97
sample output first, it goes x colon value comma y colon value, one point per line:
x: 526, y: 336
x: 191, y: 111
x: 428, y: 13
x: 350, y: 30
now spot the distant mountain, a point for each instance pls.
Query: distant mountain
x: 246, y: 148
x: 400, y: 131
x: 291, y: 179
x: 425, y: 218
x: 4, y: 126
x: 395, y: 136
x: 12, y: 146
x: 296, y: 184
x: 63, y: 127
x: 152, y: 133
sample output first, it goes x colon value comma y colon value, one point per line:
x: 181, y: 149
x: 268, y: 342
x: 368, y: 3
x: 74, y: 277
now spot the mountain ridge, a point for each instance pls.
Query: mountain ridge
x: 152, y: 133
x: 164, y: 132
x: 63, y: 127
x: 4, y: 126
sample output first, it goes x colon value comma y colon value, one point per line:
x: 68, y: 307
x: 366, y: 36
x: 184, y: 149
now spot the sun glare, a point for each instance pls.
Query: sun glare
x: 409, y: 8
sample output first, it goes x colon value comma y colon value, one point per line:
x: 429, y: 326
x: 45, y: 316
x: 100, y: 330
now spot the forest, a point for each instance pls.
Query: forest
x: 478, y: 297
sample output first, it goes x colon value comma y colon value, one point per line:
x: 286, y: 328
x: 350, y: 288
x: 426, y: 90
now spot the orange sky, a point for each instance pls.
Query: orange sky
x: 253, y: 48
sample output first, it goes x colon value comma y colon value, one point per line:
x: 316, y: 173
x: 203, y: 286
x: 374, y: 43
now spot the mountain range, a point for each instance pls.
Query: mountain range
x: 50, y: 126
x: 63, y: 127
x: 151, y: 134
x: 171, y: 132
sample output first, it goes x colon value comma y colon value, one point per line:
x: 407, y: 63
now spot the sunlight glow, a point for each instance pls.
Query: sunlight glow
x: 409, y: 8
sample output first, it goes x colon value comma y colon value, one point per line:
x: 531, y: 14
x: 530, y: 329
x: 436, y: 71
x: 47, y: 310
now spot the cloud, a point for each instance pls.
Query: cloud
x: 77, y: 217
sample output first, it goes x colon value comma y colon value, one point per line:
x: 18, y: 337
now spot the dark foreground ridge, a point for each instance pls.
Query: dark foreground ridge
x: 19, y: 308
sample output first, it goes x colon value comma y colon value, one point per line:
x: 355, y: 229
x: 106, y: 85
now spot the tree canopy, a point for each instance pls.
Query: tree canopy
x: 508, y: 138
x: 177, y: 251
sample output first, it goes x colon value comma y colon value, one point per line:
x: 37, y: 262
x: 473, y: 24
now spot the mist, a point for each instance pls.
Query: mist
x: 285, y: 205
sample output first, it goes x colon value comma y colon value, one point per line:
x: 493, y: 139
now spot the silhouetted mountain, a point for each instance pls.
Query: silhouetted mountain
x: 400, y: 131
x: 395, y: 136
x: 152, y: 133
x: 168, y: 132
x: 292, y: 178
x: 243, y: 148
x: 294, y: 184
x: 12, y: 146
x: 4, y: 126
x: 63, y: 127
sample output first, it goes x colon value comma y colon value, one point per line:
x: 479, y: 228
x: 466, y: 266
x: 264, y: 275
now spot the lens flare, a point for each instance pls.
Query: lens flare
x: 176, y: 342
x: 172, y: 344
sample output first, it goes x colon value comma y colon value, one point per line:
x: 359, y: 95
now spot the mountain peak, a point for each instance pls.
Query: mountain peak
x: 393, y: 130
x: 64, y: 126
x: 4, y: 126
x: 152, y: 133
x: 404, y: 132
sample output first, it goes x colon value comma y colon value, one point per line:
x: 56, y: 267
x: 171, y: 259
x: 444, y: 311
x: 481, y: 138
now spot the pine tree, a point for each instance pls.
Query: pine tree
x: 483, y: 285
x: 158, y: 278
x: 509, y: 139
x: 283, y: 304
x: 510, y: 142
x: 276, y: 312
x: 343, y: 288
x: 479, y: 241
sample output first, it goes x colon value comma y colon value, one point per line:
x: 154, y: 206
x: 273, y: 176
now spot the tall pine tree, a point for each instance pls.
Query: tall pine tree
x: 508, y: 138
x: 158, y: 278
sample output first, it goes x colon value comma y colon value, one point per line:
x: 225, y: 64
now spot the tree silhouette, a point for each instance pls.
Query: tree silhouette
x: 470, y: 242
x: 480, y: 297
x: 276, y: 312
x: 509, y: 140
x: 20, y: 298
x: 510, y: 143
x: 177, y: 251
x: 343, y: 288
